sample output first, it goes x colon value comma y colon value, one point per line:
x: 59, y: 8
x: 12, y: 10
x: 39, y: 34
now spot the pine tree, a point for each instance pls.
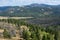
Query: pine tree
x: 6, y: 34
x: 33, y: 36
x: 26, y: 35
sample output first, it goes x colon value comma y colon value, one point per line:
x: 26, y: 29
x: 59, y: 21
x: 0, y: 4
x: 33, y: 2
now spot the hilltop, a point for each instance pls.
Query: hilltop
x: 33, y: 10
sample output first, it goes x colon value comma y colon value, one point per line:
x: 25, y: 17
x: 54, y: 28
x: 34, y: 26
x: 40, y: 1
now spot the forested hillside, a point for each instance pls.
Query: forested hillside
x: 33, y: 10
x: 24, y: 31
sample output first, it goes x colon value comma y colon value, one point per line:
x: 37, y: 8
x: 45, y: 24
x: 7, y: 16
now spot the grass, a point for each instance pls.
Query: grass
x: 15, y: 17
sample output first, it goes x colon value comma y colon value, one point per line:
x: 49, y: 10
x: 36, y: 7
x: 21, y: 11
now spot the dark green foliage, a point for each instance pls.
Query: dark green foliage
x: 57, y: 35
x: 33, y: 36
x: 26, y: 35
x: 38, y: 33
x: 48, y: 37
x: 34, y: 30
x: 6, y: 34
x: 44, y: 38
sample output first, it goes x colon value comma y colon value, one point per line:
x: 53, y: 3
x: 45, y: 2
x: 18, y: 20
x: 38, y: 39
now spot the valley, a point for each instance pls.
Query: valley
x: 30, y: 22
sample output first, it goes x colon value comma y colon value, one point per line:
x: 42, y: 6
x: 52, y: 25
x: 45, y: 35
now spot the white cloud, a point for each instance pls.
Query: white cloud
x: 25, y: 2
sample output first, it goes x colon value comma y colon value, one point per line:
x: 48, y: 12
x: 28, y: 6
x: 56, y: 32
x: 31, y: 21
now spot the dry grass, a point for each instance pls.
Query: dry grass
x: 1, y: 30
x: 15, y: 17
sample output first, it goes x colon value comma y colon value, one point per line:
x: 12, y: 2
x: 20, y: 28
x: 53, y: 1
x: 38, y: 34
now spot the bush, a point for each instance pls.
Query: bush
x: 6, y: 34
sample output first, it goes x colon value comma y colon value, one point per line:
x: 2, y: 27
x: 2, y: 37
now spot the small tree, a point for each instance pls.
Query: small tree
x: 6, y: 34
x: 44, y: 38
x: 26, y: 35
x: 33, y: 36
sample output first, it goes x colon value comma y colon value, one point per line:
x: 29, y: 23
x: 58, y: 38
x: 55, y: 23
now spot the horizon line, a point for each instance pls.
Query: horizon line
x: 30, y: 4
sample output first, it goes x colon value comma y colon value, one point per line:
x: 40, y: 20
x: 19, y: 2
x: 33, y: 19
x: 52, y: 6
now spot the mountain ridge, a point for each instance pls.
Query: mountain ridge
x: 34, y: 10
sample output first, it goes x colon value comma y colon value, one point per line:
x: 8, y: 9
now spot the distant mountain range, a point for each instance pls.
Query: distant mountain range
x: 33, y: 10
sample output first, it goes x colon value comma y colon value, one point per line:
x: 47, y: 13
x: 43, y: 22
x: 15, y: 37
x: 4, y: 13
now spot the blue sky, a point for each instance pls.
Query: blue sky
x: 27, y: 2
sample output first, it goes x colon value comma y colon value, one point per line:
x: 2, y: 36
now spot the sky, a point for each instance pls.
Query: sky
x: 27, y: 2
